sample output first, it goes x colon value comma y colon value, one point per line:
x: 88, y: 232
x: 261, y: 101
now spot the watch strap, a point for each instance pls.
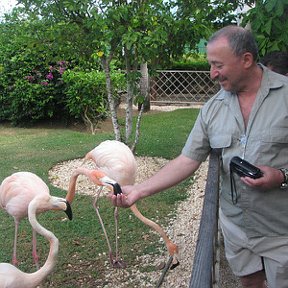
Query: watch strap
x: 284, y: 184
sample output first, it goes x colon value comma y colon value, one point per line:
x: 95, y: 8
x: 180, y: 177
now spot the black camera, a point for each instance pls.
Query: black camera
x: 244, y: 168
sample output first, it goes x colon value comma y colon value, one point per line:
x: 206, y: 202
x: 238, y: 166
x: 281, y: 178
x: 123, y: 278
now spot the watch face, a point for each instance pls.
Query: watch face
x: 284, y: 185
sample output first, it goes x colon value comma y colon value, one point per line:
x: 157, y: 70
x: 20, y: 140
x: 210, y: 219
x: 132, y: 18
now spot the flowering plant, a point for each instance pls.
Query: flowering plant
x: 53, y: 76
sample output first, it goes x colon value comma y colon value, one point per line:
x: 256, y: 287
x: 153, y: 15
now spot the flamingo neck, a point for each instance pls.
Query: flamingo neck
x: 50, y: 262
x: 72, y: 186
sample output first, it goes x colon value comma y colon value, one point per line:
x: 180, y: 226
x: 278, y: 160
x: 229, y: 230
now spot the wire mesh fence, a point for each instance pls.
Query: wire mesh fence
x: 182, y: 87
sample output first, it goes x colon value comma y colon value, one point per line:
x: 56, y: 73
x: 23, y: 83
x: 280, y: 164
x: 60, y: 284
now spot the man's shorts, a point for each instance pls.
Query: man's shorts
x: 247, y: 256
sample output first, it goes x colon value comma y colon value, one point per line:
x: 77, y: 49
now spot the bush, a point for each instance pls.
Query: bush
x: 33, y: 94
x: 30, y: 102
x: 195, y: 65
x: 86, y: 95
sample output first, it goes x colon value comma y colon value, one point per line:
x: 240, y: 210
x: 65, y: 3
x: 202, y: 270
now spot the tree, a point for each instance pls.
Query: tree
x: 267, y: 20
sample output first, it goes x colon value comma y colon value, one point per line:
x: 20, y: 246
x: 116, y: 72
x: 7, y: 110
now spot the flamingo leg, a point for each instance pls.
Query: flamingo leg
x: 14, y: 255
x: 34, y: 249
x: 171, y: 247
x: 95, y: 205
x: 118, y: 263
x: 116, y: 214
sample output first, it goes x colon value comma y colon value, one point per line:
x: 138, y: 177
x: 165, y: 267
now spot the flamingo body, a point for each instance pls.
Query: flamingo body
x: 116, y: 160
x: 16, y: 192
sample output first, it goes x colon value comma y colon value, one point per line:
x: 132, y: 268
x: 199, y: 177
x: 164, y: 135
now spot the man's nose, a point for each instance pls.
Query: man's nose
x: 214, y: 73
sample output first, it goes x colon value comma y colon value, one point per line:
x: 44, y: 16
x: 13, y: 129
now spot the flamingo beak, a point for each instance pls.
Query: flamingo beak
x: 116, y: 187
x: 106, y: 181
x: 68, y: 210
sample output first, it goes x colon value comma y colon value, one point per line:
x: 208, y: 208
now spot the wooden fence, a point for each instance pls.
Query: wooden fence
x: 205, y: 272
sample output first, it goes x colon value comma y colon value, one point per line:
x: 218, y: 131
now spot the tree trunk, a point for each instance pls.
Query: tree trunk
x: 129, y: 100
x: 144, y: 87
x: 144, y: 90
x: 112, y: 106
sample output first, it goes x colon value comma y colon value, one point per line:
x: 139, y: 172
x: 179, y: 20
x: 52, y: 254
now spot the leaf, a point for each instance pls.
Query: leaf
x: 268, y: 26
x: 279, y: 9
x: 100, y: 53
x: 270, y: 5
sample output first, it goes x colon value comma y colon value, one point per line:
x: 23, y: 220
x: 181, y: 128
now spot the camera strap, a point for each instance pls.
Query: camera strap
x: 234, y: 195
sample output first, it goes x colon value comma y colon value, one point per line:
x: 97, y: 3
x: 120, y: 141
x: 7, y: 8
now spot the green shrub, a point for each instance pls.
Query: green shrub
x: 30, y: 102
x: 195, y: 65
x: 86, y: 94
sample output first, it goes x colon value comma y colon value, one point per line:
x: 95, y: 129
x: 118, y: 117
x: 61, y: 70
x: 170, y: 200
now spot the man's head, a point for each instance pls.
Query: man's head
x: 232, y: 53
x: 276, y: 61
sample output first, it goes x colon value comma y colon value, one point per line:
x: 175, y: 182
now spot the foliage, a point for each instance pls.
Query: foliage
x: 267, y: 20
x: 30, y: 73
x: 194, y: 64
x: 34, y: 50
x: 30, y: 102
x: 86, y: 95
x: 35, y: 94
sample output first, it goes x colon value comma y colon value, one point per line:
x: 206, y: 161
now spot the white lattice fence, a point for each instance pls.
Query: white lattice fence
x: 186, y: 87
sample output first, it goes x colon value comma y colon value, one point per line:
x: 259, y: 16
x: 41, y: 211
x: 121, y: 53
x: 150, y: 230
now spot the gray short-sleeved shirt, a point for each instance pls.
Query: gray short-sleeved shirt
x: 264, y: 142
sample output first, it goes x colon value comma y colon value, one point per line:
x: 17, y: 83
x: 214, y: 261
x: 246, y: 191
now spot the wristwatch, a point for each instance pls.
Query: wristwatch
x: 284, y: 184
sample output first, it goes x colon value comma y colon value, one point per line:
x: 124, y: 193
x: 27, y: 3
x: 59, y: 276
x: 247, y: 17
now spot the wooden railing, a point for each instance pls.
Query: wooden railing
x: 205, y: 272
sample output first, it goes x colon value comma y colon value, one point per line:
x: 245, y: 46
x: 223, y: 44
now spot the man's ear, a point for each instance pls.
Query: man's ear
x: 247, y: 59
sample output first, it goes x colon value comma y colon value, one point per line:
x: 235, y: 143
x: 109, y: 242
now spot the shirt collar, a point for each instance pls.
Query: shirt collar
x: 270, y: 81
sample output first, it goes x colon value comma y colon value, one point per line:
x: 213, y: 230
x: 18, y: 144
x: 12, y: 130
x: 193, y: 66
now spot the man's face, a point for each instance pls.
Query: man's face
x: 225, y: 67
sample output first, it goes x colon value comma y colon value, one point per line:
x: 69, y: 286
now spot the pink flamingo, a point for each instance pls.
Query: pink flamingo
x: 16, y: 192
x: 116, y: 165
x: 11, y: 276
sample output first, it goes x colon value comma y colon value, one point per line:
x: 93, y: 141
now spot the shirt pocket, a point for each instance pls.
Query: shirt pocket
x: 224, y: 143
x: 274, y: 147
x: 220, y: 141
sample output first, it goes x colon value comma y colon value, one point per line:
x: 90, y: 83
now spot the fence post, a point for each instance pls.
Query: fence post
x: 203, y: 264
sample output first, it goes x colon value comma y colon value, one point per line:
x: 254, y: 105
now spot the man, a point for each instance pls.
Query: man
x: 248, y: 117
x: 277, y: 61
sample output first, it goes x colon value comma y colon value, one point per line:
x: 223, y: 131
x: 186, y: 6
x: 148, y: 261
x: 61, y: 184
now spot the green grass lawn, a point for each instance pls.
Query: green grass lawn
x: 81, y: 240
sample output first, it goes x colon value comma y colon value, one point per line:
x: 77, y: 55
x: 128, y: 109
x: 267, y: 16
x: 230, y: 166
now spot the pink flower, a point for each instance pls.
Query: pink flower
x: 44, y: 83
x: 49, y: 76
x: 61, y: 70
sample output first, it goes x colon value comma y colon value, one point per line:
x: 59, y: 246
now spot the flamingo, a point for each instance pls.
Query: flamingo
x: 11, y: 276
x: 116, y: 165
x: 16, y: 192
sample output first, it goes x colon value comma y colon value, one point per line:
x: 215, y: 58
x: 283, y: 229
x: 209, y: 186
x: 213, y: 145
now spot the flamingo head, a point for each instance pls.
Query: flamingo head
x: 101, y: 179
x: 58, y: 203
x: 48, y: 202
x: 68, y: 210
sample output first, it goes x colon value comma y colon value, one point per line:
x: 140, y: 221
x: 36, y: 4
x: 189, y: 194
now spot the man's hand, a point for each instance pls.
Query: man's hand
x: 272, y: 178
x: 127, y: 198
